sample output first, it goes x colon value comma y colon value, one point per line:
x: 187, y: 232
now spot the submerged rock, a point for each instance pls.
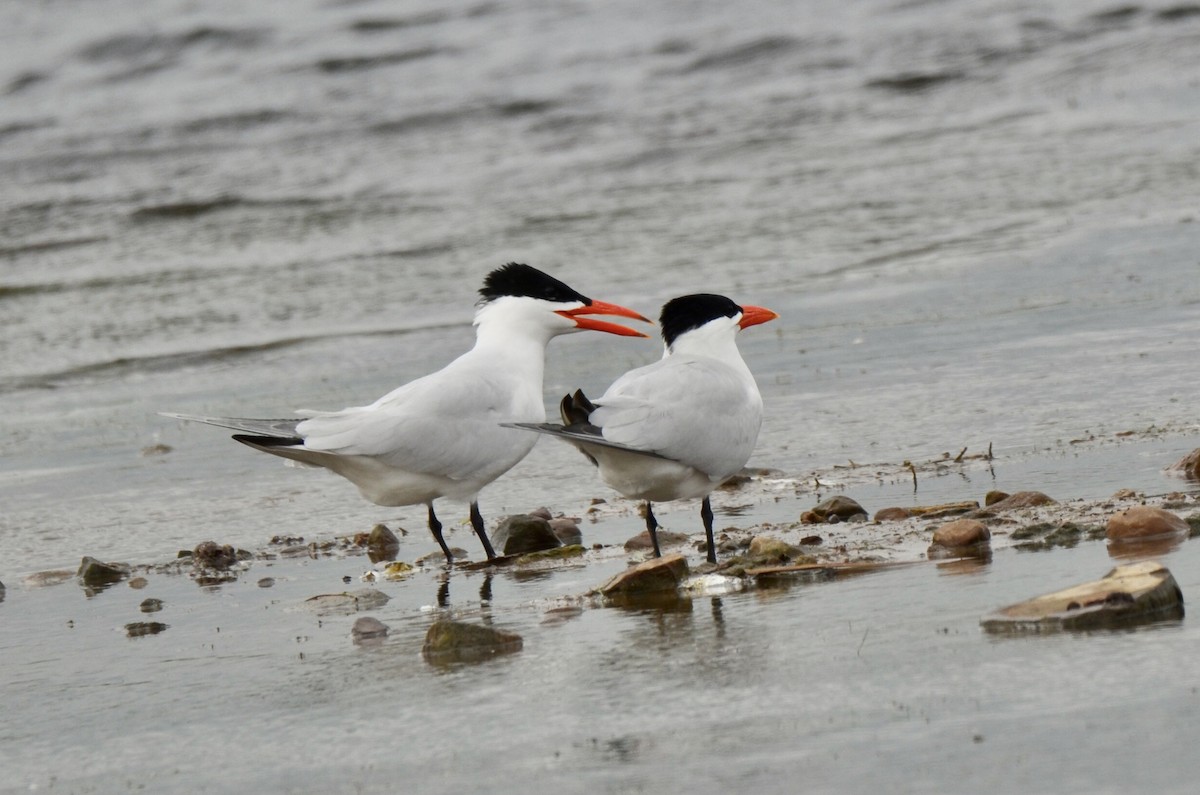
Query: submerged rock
x: 1044, y: 535
x: 522, y: 533
x: 151, y: 605
x: 96, y: 573
x: 1127, y: 595
x: 652, y: 576
x: 368, y: 628
x: 140, y: 629
x: 1143, y: 522
x: 43, y: 579
x: 458, y: 641
x: 347, y: 603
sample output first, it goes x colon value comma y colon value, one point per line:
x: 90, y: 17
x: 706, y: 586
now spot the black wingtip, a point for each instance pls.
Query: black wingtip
x: 266, y: 441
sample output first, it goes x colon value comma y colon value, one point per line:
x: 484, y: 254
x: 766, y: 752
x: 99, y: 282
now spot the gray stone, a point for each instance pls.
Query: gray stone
x: 523, y: 533
x: 368, y: 628
x: 566, y: 530
x: 99, y: 574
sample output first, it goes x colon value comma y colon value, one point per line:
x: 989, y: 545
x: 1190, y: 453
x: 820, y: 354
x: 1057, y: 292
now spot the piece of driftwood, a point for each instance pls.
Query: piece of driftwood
x: 1127, y: 595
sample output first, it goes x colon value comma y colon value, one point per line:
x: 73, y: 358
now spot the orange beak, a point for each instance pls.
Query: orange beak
x: 604, y: 308
x: 753, y: 315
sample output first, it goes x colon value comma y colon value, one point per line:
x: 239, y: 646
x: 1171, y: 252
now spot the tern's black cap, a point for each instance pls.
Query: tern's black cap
x: 681, y: 315
x: 520, y: 280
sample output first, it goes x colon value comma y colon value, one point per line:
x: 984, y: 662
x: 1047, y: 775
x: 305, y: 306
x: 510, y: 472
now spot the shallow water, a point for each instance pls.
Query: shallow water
x: 846, y: 686
x: 977, y: 221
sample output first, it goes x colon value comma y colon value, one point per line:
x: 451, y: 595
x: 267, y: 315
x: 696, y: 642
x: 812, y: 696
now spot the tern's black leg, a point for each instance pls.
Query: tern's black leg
x: 706, y: 516
x: 652, y: 529
x: 477, y: 523
x: 435, y: 527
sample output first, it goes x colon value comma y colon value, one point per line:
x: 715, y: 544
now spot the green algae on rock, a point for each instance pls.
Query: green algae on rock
x: 457, y: 641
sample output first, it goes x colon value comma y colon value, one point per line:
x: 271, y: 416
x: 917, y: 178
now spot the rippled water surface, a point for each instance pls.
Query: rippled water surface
x: 978, y: 222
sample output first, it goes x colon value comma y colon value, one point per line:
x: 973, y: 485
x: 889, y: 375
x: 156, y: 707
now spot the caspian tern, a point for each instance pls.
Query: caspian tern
x: 675, y: 429
x: 441, y: 435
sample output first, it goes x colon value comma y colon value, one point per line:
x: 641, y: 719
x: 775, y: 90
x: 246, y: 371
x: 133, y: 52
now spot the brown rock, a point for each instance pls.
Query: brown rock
x: 962, y: 533
x: 993, y: 497
x: 666, y: 538
x: 655, y: 575
x: 1143, y: 522
x: 960, y: 538
x: 1189, y: 467
x: 892, y: 514
x: 1022, y: 499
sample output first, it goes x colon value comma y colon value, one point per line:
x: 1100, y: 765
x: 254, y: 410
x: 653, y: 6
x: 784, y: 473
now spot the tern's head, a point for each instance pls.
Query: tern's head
x: 523, y: 295
x: 707, y: 319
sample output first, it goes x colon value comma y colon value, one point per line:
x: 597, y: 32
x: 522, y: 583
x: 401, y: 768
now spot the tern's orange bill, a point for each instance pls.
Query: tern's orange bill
x: 604, y: 308
x: 753, y: 315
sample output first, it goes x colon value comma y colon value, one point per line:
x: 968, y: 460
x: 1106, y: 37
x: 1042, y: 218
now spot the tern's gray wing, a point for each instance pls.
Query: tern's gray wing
x: 581, y: 435
x: 280, y: 429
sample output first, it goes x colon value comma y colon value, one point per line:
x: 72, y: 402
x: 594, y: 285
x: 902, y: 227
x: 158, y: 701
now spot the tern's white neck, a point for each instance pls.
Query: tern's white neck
x: 716, y: 339
x: 513, y: 334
